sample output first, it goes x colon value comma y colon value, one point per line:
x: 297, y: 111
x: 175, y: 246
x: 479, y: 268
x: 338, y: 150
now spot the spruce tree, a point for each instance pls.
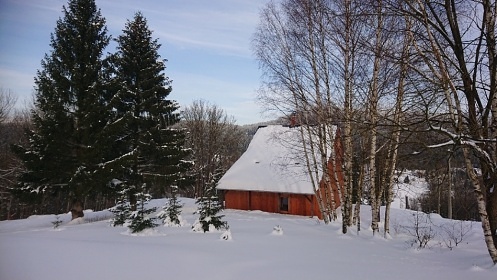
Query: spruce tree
x: 209, y: 207
x: 171, y: 213
x: 146, y: 149
x: 122, y: 210
x: 70, y: 109
x: 139, y: 219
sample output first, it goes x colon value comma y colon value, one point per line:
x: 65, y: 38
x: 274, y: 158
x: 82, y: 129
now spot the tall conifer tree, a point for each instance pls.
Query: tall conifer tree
x: 69, y: 108
x: 148, y: 151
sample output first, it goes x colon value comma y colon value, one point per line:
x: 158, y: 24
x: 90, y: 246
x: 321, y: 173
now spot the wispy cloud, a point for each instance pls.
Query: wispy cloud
x: 222, y: 26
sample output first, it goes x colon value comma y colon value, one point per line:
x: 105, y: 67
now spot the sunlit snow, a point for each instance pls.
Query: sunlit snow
x: 261, y: 246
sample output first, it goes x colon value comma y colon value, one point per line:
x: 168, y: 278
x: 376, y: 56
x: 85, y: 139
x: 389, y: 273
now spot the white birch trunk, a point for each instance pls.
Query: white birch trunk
x: 393, y: 151
x: 373, y: 120
x: 346, y: 205
x: 482, y: 207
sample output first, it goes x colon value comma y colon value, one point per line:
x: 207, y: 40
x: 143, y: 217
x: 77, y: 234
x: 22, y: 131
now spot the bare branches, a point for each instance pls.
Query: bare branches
x: 459, y: 50
x: 214, y: 139
x: 7, y: 103
x: 339, y: 62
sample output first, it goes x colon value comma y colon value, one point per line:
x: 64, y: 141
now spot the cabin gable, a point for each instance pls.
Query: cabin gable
x: 271, y: 176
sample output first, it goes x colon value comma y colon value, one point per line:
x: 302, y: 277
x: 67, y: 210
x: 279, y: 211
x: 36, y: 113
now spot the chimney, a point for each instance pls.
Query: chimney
x: 293, y: 119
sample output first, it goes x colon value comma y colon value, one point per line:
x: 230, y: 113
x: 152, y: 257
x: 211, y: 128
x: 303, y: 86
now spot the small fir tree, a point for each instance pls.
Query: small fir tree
x: 171, y: 213
x: 139, y: 219
x: 209, y: 208
x: 122, y: 210
x: 57, y: 222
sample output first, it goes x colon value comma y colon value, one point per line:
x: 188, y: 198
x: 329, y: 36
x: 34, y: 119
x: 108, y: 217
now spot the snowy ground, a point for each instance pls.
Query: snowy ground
x: 412, y: 189
x: 306, y: 249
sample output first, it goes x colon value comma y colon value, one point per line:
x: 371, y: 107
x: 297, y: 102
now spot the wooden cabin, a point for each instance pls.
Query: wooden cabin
x: 272, y: 175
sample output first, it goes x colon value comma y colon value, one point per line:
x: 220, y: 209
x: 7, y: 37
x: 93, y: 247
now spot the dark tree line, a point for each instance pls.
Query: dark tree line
x: 12, y: 127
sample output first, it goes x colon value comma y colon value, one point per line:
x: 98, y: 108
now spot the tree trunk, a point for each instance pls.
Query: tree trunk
x: 357, y: 212
x: 77, y: 209
x: 449, y: 191
x: 393, y: 151
x: 132, y: 200
x: 311, y: 163
x: 348, y: 65
x: 490, y: 176
x: 376, y: 191
x: 489, y: 233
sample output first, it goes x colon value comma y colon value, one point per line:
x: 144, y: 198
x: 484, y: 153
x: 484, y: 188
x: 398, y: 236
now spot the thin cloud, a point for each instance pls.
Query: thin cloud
x: 222, y: 26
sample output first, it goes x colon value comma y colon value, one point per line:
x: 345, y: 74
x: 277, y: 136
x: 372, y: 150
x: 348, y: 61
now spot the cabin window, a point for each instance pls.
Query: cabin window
x: 284, y: 203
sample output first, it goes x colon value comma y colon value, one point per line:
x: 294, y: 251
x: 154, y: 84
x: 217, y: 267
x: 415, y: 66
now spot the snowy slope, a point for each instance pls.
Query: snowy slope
x: 411, y: 189
x: 306, y: 249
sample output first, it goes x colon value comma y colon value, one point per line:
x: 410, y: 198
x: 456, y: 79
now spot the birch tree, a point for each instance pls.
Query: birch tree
x: 308, y: 51
x: 457, y: 44
x: 393, y: 147
x: 345, y: 39
x: 386, y: 83
x: 293, y: 47
x: 373, y: 118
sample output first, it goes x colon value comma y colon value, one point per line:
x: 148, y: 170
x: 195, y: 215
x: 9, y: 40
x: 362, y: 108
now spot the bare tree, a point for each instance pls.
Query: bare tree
x: 7, y: 136
x: 215, y: 140
x: 457, y: 44
x: 13, y: 124
x: 7, y: 103
x: 373, y: 100
x: 310, y: 52
x: 397, y: 121
x: 347, y: 39
x: 373, y: 86
x: 384, y: 83
x: 297, y: 51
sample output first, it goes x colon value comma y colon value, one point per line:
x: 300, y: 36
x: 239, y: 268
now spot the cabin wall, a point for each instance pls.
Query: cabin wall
x: 305, y: 205
x: 236, y: 200
x: 335, y: 184
x: 298, y: 204
x: 267, y: 202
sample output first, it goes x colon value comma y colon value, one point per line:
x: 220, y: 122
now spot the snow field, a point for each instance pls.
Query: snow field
x: 305, y: 248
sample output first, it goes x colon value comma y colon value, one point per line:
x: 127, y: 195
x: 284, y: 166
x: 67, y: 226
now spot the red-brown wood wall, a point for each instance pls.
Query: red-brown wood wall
x: 298, y: 204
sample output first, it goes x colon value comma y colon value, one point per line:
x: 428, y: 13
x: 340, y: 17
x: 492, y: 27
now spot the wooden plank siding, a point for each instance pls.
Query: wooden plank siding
x: 236, y: 200
x: 298, y: 204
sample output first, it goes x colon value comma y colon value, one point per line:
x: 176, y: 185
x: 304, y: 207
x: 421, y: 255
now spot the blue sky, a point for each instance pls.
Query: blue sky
x: 206, y: 43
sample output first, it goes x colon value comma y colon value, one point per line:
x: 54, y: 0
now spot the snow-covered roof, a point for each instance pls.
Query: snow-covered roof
x: 273, y: 162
